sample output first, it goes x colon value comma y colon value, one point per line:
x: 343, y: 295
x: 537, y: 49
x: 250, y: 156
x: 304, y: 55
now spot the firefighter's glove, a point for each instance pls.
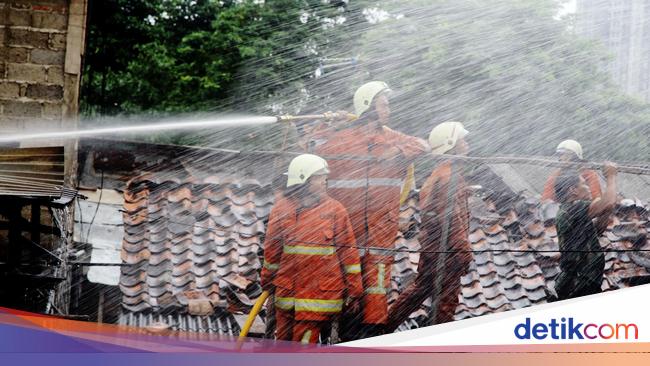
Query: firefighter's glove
x: 353, y: 304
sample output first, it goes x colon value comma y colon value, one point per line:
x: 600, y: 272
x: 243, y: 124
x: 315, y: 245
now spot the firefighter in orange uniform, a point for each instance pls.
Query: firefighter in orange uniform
x: 444, y: 258
x: 370, y: 191
x: 571, y: 151
x: 309, y: 254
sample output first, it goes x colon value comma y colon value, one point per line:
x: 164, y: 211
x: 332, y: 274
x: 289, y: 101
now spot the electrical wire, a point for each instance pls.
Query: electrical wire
x: 99, y: 201
x: 398, y: 250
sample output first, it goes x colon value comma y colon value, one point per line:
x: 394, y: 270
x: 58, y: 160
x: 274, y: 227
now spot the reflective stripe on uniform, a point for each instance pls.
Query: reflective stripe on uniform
x: 375, y: 251
x: 306, y: 337
x: 353, y: 268
x: 376, y: 290
x: 305, y: 250
x: 319, y: 306
x: 379, y: 289
x: 311, y: 305
x: 284, y: 303
x: 271, y: 266
x: 362, y: 183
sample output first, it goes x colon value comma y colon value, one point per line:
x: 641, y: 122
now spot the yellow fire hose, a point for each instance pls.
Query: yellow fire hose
x: 251, y: 318
x: 409, y: 184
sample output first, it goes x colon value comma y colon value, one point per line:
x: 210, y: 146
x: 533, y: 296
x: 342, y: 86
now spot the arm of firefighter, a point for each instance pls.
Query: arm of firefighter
x: 432, y: 205
x: 591, y: 177
x: 348, y: 254
x: 409, y: 146
x: 549, y: 188
x: 311, y: 135
x: 272, y: 248
x: 433, y: 195
x: 604, y: 205
x: 319, y: 133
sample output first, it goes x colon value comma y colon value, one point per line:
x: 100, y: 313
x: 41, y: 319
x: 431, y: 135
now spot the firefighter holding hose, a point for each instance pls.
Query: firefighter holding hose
x: 370, y: 191
x: 310, y: 258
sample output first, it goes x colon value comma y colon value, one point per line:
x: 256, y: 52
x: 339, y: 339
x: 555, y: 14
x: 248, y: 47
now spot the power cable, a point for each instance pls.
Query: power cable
x: 397, y: 250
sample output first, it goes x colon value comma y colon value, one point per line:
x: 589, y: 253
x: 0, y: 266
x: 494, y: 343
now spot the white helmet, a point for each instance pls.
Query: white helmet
x: 304, y: 166
x: 444, y: 136
x: 570, y: 146
x: 364, y: 96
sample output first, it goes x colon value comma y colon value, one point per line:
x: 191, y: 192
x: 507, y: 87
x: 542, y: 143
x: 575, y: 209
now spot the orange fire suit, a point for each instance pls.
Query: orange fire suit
x: 434, y: 196
x: 309, y: 258
x: 590, y: 176
x: 370, y: 192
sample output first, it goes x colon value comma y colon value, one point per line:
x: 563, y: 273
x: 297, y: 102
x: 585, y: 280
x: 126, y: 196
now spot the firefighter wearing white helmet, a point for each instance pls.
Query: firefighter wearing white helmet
x: 365, y: 95
x: 445, y: 231
x: 370, y: 191
x: 571, y: 151
x: 570, y: 147
x: 303, y: 167
x: 309, y: 238
x: 446, y: 136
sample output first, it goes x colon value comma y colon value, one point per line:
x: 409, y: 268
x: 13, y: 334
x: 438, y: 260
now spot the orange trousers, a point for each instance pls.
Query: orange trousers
x: 289, y: 329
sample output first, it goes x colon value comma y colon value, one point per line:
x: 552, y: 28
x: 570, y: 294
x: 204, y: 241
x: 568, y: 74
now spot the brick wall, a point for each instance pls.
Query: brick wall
x: 41, y: 47
x: 41, y: 44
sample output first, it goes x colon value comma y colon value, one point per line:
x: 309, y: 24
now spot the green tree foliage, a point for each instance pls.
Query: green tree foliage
x: 194, y: 55
x: 520, y: 79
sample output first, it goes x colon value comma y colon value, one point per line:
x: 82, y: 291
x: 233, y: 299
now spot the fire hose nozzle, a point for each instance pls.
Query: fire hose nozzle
x: 330, y: 116
x: 340, y: 115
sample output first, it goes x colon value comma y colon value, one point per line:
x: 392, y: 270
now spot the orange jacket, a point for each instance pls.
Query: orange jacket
x: 589, y: 175
x: 310, y: 256
x: 438, y: 185
x: 374, y: 215
x: 370, y: 192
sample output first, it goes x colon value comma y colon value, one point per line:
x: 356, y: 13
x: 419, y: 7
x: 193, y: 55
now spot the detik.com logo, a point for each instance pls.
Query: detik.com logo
x: 568, y: 328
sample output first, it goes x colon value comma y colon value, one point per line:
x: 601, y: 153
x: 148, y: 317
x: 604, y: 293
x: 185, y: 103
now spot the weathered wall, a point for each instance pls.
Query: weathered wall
x: 41, y: 46
x: 40, y: 51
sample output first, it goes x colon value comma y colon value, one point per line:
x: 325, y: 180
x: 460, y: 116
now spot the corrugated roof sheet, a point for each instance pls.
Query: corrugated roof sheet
x: 219, y: 323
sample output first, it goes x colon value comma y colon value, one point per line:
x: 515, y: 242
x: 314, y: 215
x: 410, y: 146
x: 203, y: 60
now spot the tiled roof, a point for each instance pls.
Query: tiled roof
x: 629, y: 231
x: 195, y: 236
x: 196, y: 239
x: 515, y: 262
